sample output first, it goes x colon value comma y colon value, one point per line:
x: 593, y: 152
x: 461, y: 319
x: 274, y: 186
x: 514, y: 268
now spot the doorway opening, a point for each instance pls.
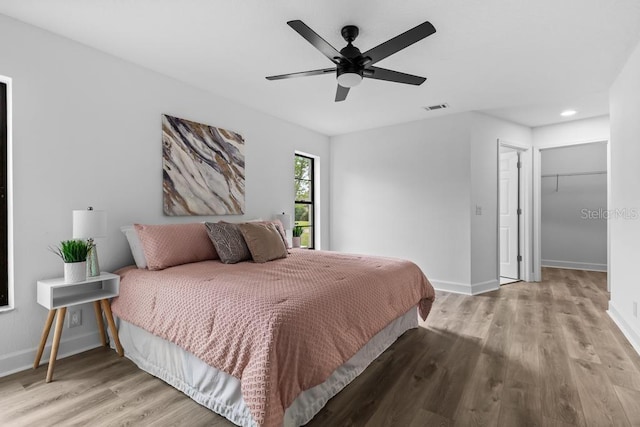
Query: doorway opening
x: 514, y: 222
x: 573, y: 221
x: 575, y: 172
x: 509, y: 215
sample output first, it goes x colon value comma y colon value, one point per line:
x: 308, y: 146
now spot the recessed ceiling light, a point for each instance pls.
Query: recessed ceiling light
x: 568, y: 113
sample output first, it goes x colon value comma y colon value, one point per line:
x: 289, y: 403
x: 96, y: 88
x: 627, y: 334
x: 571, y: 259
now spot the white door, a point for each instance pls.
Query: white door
x: 509, y: 215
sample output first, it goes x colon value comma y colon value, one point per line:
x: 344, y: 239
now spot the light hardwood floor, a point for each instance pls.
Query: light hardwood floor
x: 529, y: 354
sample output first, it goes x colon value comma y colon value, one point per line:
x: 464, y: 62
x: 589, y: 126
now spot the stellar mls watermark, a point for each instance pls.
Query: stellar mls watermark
x: 620, y: 213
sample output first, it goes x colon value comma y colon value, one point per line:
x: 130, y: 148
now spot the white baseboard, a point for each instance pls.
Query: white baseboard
x: 453, y: 287
x: 589, y: 266
x: 488, y: 286
x: 465, y: 288
x: 627, y: 329
x: 22, y: 360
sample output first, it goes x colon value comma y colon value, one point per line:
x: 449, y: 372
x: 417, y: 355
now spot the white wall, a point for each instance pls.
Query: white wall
x: 573, y: 220
x: 409, y: 191
x: 86, y: 131
x: 576, y: 131
x: 625, y: 180
x: 403, y: 191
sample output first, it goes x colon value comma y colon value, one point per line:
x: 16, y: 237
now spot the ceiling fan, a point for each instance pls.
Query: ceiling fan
x: 352, y: 65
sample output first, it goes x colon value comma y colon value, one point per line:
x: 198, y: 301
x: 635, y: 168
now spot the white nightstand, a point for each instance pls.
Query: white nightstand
x: 56, y: 295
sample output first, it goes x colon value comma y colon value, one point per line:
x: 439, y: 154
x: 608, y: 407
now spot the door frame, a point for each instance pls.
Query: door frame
x: 9, y: 195
x: 537, y: 197
x: 525, y: 222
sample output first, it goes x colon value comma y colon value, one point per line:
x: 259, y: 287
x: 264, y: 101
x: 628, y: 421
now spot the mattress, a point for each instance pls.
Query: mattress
x: 222, y: 393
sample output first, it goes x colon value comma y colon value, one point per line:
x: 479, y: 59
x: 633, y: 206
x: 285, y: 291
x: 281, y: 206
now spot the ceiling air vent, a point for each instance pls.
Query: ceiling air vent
x: 437, y: 107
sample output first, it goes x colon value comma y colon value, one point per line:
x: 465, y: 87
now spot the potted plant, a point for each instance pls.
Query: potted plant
x: 297, y: 232
x: 74, y: 254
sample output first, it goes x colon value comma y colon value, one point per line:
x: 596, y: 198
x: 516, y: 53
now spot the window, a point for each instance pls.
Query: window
x: 4, y: 241
x: 304, y: 217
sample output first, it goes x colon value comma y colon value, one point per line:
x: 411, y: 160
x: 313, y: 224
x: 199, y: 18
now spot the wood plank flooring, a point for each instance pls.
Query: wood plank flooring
x: 530, y: 354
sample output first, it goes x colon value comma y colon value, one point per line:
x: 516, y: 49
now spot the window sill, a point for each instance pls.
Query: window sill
x: 6, y: 308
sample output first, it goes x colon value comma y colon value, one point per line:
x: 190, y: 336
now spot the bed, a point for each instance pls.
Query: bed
x: 268, y: 344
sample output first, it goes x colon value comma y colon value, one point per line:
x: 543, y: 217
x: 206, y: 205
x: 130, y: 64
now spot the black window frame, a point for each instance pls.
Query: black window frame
x: 4, y: 225
x: 311, y: 202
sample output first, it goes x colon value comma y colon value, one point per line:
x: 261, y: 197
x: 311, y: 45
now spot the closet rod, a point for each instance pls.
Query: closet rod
x: 558, y: 175
x: 555, y: 175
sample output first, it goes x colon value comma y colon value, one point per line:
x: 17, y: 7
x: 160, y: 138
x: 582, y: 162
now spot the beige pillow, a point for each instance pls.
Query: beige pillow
x: 263, y: 240
x: 275, y: 222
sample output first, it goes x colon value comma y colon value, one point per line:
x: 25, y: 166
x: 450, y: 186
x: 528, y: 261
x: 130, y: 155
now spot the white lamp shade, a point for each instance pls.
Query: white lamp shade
x: 88, y: 224
x: 285, y: 219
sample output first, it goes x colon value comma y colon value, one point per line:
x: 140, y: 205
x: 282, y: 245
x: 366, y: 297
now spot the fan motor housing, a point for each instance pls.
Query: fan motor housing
x: 350, y: 32
x: 350, y: 51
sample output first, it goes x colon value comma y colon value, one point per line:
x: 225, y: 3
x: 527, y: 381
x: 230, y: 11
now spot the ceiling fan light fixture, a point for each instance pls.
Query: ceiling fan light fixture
x: 349, y: 79
x: 351, y: 64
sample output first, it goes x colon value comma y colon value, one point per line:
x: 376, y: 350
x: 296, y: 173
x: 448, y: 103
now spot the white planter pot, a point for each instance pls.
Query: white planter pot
x: 295, y: 242
x: 75, y: 272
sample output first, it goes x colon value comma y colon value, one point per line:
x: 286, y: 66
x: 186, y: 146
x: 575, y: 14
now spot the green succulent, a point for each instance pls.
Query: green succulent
x: 73, y: 250
x: 298, y: 230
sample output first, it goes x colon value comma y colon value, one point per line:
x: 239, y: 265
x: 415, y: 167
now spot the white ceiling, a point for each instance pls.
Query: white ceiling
x: 518, y: 59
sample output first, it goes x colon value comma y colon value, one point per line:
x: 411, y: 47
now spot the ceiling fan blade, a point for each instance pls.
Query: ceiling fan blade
x: 318, y: 42
x: 393, y: 76
x: 397, y: 43
x: 341, y: 93
x: 302, y: 74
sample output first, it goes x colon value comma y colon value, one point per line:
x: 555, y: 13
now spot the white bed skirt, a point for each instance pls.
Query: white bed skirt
x: 221, y: 392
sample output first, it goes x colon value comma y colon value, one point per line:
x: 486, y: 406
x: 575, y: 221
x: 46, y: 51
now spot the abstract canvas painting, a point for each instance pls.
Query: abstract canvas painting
x: 203, y: 169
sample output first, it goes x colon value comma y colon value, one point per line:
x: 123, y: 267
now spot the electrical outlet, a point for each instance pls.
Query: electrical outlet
x: 478, y: 210
x: 635, y: 309
x: 75, y: 318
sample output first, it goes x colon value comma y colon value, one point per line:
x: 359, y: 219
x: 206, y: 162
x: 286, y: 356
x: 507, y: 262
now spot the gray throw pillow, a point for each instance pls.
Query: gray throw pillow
x: 228, y: 241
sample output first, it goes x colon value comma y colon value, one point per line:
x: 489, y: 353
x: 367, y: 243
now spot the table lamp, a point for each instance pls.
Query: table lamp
x: 285, y: 219
x: 89, y: 224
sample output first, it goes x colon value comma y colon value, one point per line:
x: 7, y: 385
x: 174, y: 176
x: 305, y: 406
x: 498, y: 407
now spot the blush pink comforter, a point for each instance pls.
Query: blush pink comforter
x: 280, y: 327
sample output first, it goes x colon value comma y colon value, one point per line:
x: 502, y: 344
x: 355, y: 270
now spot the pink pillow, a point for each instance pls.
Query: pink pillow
x: 174, y: 244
